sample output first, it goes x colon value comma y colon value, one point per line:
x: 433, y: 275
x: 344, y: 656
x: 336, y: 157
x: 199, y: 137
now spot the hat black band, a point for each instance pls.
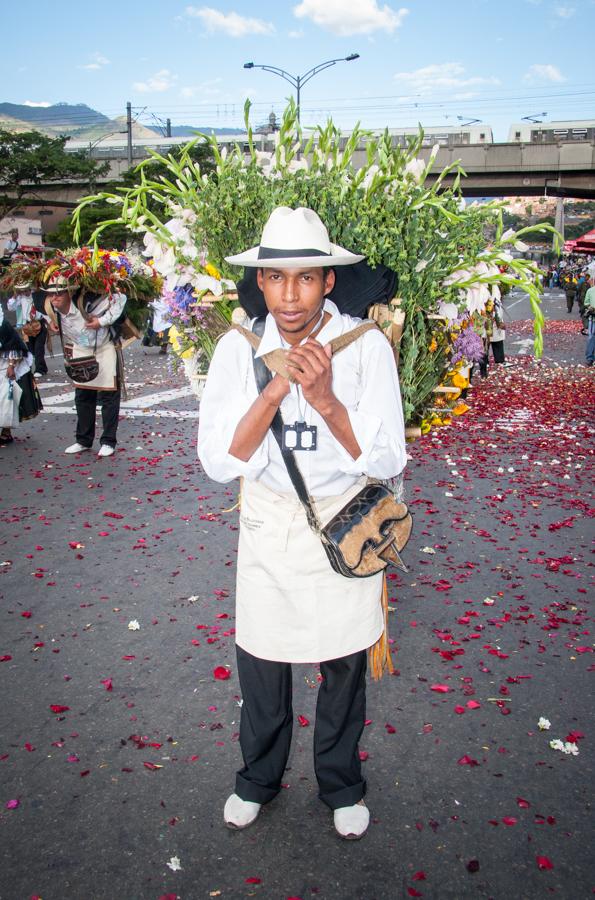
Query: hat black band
x: 274, y: 253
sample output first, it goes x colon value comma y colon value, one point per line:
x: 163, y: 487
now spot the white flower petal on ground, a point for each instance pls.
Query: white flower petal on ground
x: 557, y: 744
x: 571, y: 748
x: 133, y: 625
x: 174, y: 864
x: 544, y: 724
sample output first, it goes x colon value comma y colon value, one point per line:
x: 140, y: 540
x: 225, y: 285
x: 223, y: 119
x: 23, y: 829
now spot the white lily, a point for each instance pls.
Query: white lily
x: 450, y: 311
x: 544, y: 724
x: 415, y: 168
x: 421, y: 265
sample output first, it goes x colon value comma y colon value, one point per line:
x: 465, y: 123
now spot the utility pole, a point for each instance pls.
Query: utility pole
x: 168, y: 127
x: 129, y: 131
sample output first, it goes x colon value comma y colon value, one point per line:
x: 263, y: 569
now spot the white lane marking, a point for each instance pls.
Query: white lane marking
x: 134, y: 413
x: 160, y: 397
x: 59, y: 398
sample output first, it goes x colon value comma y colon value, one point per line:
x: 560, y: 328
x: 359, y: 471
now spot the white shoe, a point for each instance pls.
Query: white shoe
x: 106, y: 450
x: 240, y: 813
x: 76, y: 448
x: 37, y: 374
x: 351, y: 822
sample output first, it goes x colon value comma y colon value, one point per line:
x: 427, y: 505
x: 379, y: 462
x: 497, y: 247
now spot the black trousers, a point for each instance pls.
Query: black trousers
x: 498, y: 351
x: 267, y: 721
x: 37, y: 348
x: 86, y: 402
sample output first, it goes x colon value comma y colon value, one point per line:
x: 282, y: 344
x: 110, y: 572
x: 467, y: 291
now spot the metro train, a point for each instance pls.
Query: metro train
x: 446, y: 136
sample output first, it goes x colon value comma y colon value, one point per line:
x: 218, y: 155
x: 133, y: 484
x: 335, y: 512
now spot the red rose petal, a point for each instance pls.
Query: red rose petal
x: 440, y: 688
x: 544, y: 862
x: 253, y: 880
x: 304, y: 722
x: 459, y: 710
x: 524, y: 804
x: 509, y: 820
x: 56, y: 708
x: 221, y: 673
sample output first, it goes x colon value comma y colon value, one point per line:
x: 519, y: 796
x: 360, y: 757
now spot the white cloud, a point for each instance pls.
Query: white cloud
x: 361, y: 17
x: 441, y: 77
x: 36, y: 103
x: 206, y: 89
x: 545, y: 72
x: 98, y: 61
x: 565, y: 12
x: 294, y: 35
x: 162, y: 80
x: 231, y: 23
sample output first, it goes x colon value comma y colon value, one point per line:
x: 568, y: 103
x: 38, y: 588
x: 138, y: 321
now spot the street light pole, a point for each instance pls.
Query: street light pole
x: 298, y: 81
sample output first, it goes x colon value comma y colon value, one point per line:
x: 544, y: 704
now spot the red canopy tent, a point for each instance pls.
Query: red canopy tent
x: 585, y: 243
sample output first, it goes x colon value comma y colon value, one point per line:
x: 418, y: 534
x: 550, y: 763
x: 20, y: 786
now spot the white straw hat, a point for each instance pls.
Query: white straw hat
x: 294, y: 239
x: 58, y: 284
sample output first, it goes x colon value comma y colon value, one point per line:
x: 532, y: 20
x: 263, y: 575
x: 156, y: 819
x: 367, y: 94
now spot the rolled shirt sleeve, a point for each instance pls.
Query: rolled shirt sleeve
x: 224, y: 402
x: 114, y: 311
x: 377, y: 417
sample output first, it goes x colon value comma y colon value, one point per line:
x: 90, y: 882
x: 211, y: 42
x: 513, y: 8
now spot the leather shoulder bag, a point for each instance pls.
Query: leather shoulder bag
x: 371, y: 529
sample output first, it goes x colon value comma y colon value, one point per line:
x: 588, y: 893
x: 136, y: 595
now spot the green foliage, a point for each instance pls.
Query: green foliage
x: 386, y: 209
x: 31, y: 158
x: 117, y: 236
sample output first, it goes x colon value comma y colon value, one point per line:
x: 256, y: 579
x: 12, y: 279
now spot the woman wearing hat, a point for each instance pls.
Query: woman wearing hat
x: 31, y: 323
x: 344, y: 420
x: 83, y: 322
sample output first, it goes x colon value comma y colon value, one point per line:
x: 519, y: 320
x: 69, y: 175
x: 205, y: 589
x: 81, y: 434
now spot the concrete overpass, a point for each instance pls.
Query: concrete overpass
x: 493, y: 170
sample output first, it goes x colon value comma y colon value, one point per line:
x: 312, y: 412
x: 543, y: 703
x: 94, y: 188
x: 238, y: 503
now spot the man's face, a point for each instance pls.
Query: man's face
x: 60, y: 301
x: 294, y: 298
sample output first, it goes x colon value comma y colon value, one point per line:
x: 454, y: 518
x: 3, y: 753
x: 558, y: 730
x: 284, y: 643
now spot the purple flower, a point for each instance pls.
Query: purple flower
x: 468, y: 346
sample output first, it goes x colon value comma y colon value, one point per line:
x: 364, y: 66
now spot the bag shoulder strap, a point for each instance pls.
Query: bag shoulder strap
x: 262, y: 375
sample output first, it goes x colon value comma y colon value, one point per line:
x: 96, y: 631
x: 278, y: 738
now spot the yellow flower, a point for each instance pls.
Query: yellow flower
x: 433, y: 345
x: 425, y: 426
x: 460, y: 409
x: 174, y: 339
x: 211, y: 270
x: 459, y: 381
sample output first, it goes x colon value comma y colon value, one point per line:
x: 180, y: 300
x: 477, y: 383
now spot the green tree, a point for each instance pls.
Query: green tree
x: 31, y: 159
x: 116, y: 236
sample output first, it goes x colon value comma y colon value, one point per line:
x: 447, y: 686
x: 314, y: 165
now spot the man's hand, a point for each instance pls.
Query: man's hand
x: 310, y: 365
x: 93, y: 323
x: 53, y: 328
x: 276, y: 390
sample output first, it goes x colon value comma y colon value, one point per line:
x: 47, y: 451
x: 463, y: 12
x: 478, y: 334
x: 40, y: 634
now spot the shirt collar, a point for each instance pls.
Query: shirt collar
x: 271, y: 339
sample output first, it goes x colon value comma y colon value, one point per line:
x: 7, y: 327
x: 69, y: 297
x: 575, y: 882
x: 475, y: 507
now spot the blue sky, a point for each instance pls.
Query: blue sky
x: 427, y: 60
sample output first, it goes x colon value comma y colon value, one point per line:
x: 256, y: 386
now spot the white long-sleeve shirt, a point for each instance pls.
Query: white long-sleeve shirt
x: 22, y: 305
x: 107, y: 309
x: 365, y: 380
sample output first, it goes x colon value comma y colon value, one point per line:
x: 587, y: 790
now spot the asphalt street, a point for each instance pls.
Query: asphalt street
x: 118, y: 742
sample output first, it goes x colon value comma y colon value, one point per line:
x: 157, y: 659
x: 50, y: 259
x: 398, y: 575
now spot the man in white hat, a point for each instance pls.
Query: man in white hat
x: 83, y: 323
x: 344, y: 421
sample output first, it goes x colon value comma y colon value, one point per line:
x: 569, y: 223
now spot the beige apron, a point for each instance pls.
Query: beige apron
x: 106, y: 379
x: 291, y: 606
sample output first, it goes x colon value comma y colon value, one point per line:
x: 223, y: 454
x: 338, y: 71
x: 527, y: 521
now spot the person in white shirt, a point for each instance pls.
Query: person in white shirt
x: 83, y: 323
x: 291, y: 606
x: 160, y: 325
x: 23, y: 305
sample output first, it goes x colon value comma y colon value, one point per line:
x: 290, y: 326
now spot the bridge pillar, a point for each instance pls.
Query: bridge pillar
x: 559, y: 221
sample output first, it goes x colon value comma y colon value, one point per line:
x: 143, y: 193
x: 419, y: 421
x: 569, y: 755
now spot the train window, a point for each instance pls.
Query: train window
x: 579, y: 134
x: 482, y: 136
